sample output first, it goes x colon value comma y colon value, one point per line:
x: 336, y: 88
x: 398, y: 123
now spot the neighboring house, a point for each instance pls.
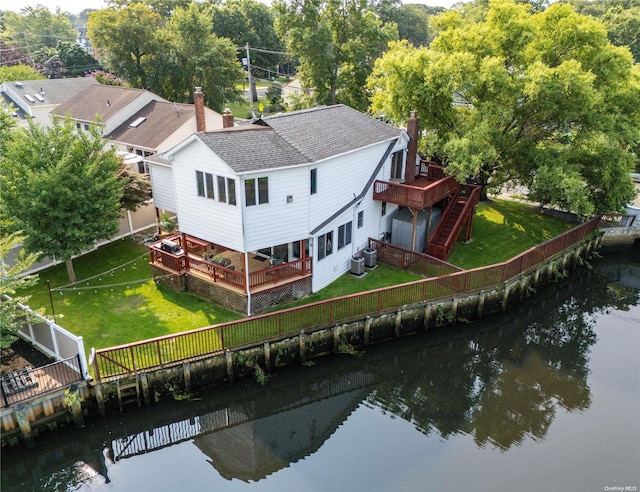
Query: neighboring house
x: 137, y: 122
x: 37, y: 98
x: 292, y: 90
x: 288, y: 191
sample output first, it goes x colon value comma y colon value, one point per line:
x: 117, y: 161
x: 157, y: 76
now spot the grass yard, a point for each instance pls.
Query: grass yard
x: 118, y: 302
x: 503, y: 229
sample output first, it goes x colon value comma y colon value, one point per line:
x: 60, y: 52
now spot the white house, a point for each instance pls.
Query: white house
x: 35, y: 99
x: 295, y: 189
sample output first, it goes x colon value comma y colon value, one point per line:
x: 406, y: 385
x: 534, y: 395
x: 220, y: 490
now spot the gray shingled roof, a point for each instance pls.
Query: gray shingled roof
x: 105, y: 100
x: 297, y: 138
x: 162, y: 119
x: 323, y: 132
x: 56, y: 91
x: 252, y: 148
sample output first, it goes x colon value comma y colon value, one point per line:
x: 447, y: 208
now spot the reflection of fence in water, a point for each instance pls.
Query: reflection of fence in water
x: 183, y: 430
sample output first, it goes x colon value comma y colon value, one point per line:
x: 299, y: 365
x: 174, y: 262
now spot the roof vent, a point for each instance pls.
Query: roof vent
x: 19, y: 85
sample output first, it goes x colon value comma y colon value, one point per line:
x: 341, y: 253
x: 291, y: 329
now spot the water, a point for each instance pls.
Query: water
x: 545, y: 397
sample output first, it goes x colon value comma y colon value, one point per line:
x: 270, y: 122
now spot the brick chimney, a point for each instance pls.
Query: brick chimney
x: 227, y: 118
x: 198, y: 102
x: 413, y: 124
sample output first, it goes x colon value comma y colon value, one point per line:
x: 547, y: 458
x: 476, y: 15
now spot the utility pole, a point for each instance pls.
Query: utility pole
x: 250, y: 79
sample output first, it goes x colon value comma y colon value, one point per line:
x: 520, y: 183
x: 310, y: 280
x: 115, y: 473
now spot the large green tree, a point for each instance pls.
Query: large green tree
x: 540, y: 99
x: 192, y: 56
x: 336, y: 43
x: 167, y: 55
x: 250, y: 22
x: 127, y: 39
x: 61, y: 188
x: 35, y: 27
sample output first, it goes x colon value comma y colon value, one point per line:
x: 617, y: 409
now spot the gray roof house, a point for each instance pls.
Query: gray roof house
x: 37, y: 98
x: 295, y: 189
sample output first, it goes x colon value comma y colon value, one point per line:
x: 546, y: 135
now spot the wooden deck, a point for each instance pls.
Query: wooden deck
x: 42, y: 380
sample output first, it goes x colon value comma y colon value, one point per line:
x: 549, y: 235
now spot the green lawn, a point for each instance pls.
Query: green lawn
x: 503, y: 229
x: 119, y: 303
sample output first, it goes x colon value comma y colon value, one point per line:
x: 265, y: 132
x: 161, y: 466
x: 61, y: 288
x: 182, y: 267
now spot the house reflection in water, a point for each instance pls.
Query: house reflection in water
x: 255, y: 449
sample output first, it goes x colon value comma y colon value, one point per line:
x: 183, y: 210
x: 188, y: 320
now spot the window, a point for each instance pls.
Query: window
x: 231, y: 189
x: 256, y: 189
x: 209, y: 183
x: 222, y: 189
x: 344, y: 235
x: 250, y: 192
x: 383, y: 212
x: 78, y: 126
x: 396, y: 165
x: 314, y: 181
x: 204, y: 182
x: 360, y: 219
x: 325, y: 245
x: 86, y: 126
x: 200, y: 182
x: 263, y: 190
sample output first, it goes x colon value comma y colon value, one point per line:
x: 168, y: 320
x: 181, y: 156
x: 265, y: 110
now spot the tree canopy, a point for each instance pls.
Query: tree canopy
x: 539, y: 99
x: 61, y: 188
x: 36, y: 27
x: 250, y: 22
x: 170, y: 56
x: 336, y: 44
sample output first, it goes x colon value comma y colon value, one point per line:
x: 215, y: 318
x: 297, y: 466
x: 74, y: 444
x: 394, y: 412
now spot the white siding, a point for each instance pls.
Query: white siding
x: 202, y: 217
x: 279, y: 221
x: 162, y: 185
x: 339, y: 181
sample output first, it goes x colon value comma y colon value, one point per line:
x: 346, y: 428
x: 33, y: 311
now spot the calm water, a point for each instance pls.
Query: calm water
x: 545, y: 397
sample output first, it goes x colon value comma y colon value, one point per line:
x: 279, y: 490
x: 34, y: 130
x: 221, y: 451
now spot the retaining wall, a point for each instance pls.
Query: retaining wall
x: 257, y: 360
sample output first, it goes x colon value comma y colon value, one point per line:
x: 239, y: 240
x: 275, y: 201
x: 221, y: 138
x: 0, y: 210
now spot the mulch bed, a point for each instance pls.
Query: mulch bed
x: 21, y: 354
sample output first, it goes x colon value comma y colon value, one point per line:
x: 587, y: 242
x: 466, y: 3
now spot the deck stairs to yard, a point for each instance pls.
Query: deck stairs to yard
x: 458, y: 213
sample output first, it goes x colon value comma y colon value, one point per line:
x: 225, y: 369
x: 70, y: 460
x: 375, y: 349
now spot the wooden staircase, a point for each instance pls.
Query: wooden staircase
x: 459, y: 211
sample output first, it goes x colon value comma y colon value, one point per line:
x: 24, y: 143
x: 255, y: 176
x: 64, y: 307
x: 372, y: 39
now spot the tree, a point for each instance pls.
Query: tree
x: 336, y: 43
x: 61, y: 188
x: 136, y: 188
x: 11, y: 281
x: 19, y: 72
x: 169, y: 56
x: 250, y: 22
x: 128, y: 36
x: 35, y: 27
x: 192, y: 56
x: 541, y: 100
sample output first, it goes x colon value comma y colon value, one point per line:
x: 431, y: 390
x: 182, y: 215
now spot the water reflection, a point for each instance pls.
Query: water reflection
x: 500, y: 381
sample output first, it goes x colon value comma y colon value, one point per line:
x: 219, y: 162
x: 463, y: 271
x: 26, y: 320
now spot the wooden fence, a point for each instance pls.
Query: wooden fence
x: 171, y: 349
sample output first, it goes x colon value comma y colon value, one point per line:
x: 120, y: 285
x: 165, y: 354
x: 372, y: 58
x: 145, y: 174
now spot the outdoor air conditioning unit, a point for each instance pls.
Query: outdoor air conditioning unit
x: 357, y: 265
x: 370, y: 257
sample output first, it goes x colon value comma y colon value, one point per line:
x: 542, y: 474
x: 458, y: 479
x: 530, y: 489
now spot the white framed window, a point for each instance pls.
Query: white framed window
x: 344, y: 234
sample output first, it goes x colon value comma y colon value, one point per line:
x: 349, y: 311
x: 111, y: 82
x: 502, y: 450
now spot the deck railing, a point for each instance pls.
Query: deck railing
x: 412, y: 196
x: 29, y: 383
x: 173, y: 349
x: 227, y: 275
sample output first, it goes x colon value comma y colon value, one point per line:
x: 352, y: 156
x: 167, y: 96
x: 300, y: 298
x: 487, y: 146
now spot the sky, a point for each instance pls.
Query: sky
x: 77, y: 6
